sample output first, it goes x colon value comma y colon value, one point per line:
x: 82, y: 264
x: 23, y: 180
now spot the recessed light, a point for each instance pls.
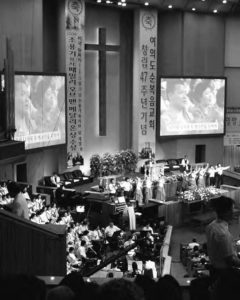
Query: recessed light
x: 224, y: 1
x: 193, y: 9
x: 170, y: 6
x: 146, y: 3
x: 203, y: 0
x: 123, y: 1
x: 119, y: 3
x: 124, y: 4
x: 215, y: 11
x: 99, y: 1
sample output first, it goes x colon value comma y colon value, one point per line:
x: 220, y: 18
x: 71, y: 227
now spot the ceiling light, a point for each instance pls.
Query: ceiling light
x: 119, y: 3
x: 146, y: 3
x: 193, y: 9
x: 99, y: 1
x: 215, y: 11
x: 124, y: 4
x: 203, y: 0
x: 123, y: 0
x: 108, y: 2
x: 170, y: 6
x: 224, y: 1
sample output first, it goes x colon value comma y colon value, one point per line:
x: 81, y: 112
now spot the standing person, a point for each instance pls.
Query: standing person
x: 219, y: 239
x: 202, y: 177
x: 219, y: 175
x: 19, y: 205
x: 138, y: 192
x: 211, y: 172
x: 184, y: 164
x: 112, y: 187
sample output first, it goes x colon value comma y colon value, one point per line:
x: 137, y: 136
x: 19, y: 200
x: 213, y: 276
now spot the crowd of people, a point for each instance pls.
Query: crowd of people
x: 87, y: 244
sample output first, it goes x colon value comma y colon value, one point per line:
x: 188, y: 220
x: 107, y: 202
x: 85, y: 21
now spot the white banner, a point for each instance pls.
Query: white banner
x: 232, y: 136
x: 75, y: 69
x: 147, y: 79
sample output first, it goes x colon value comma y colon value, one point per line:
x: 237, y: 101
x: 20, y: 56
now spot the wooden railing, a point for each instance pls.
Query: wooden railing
x: 30, y: 248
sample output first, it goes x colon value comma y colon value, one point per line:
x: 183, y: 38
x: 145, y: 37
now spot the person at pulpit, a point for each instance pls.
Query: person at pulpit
x: 127, y: 188
x: 112, y: 187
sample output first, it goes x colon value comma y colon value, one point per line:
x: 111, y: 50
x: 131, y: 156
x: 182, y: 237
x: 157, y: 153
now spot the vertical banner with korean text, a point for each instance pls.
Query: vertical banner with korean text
x: 145, y: 81
x: 232, y: 134
x: 75, y: 43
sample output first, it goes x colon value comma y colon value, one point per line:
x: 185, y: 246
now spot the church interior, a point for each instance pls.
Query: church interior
x: 119, y: 129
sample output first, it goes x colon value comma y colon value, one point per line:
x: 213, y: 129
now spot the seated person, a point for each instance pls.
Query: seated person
x: 25, y: 193
x: 39, y: 202
x: 81, y: 252
x: 96, y: 234
x: 43, y: 216
x: 110, y: 229
x: 193, y: 244
x: 128, y: 243
x: 55, y: 180
x: 67, y: 219
x: 3, y: 189
x: 147, y: 227
x: 84, y: 225
x: 72, y: 259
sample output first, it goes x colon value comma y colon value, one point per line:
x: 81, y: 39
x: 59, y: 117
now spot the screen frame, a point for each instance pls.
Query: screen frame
x: 30, y: 73
x: 158, y: 108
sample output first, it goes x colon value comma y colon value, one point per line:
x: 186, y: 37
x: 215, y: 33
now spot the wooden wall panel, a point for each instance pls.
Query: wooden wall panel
x: 170, y: 44
x: 126, y: 79
x: 232, y: 42
x: 26, y: 248
x: 203, y: 51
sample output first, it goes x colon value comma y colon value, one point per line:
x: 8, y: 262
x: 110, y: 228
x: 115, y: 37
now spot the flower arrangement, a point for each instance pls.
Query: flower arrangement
x: 109, y: 164
x: 95, y: 165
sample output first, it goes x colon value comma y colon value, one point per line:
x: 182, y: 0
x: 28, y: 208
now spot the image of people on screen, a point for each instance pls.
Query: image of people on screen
x: 177, y: 106
x: 26, y: 114
x: 192, y: 106
x: 40, y: 110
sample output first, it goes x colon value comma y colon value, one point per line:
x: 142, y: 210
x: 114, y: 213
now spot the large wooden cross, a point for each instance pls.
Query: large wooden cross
x: 102, y: 49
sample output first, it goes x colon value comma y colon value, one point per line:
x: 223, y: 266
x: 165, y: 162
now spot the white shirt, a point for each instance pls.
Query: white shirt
x: 219, y: 243
x: 109, y: 231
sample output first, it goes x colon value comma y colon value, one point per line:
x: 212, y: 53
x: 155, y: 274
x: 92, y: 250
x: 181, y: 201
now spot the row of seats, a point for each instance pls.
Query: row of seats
x: 69, y: 179
x: 169, y: 164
